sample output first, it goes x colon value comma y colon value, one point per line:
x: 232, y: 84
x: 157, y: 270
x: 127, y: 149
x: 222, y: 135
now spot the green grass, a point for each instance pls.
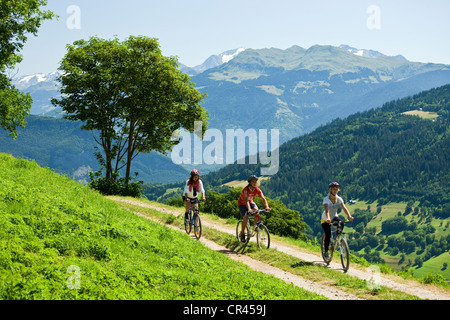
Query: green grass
x: 433, y: 264
x: 60, y: 240
x: 422, y: 114
x: 307, y: 270
x: 390, y: 210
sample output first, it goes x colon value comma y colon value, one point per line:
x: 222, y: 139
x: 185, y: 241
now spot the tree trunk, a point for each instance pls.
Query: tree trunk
x: 129, y: 153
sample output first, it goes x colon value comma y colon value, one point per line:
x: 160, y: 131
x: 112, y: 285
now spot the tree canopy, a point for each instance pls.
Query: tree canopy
x: 131, y: 96
x: 18, y: 18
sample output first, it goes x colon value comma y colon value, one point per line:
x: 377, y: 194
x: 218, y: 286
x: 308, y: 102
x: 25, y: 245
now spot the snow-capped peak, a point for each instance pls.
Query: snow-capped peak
x: 362, y: 52
x: 217, y: 60
x: 231, y: 54
x: 34, y: 79
x: 368, y: 53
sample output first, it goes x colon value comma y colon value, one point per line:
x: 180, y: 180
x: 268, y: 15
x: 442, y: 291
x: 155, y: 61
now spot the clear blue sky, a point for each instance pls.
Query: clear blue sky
x: 195, y: 29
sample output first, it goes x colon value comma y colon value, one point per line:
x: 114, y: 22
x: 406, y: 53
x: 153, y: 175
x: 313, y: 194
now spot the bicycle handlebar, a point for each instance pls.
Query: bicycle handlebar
x: 258, y: 211
x: 196, y: 200
x: 336, y: 223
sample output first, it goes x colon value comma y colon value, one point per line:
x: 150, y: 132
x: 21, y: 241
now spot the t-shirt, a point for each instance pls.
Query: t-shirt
x: 249, y: 195
x: 332, y: 208
x: 193, y: 192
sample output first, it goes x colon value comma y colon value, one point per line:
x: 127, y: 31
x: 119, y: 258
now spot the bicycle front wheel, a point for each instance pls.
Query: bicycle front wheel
x: 198, y: 227
x: 345, y: 254
x: 263, y: 237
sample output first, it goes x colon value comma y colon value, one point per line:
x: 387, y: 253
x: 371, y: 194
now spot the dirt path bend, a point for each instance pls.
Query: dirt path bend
x: 410, y: 287
x: 326, y: 291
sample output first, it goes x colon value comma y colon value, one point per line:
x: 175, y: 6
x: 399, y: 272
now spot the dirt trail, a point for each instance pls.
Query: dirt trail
x: 396, y: 283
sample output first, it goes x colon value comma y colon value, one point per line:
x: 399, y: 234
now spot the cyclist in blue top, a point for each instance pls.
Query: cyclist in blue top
x: 331, y: 204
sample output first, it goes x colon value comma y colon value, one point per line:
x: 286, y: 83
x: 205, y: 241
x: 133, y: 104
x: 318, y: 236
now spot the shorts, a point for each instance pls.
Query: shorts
x: 243, y: 209
x: 184, y: 198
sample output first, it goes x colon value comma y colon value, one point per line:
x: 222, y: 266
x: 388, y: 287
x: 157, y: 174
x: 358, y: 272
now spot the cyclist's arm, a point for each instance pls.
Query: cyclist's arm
x: 247, y: 204
x: 346, y: 212
x: 186, y: 189
x: 202, y: 191
x: 264, y: 200
x: 325, y: 206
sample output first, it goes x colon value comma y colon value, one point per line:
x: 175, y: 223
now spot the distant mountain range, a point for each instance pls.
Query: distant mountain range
x: 294, y: 90
x: 298, y: 89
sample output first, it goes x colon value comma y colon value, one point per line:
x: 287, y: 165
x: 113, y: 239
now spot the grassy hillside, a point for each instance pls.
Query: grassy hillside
x: 60, y: 240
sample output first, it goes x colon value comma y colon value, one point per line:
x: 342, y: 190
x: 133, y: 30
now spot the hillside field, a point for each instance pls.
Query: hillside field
x: 391, y: 210
x: 368, y: 212
x: 60, y: 240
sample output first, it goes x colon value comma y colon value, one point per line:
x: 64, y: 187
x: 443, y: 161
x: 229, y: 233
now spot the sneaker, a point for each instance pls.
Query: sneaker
x: 242, y: 236
x: 326, y: 255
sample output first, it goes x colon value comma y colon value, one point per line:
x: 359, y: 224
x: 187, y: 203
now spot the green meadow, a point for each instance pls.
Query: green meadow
x: 60, y: 240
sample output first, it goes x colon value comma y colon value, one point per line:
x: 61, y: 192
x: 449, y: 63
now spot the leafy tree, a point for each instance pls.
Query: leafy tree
x: 132, y: 95
x: 14, y: 107
x: 394, y: 225
x: 18, y: 18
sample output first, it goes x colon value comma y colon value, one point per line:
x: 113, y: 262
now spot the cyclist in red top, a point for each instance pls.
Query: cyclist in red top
x: 246, y: 204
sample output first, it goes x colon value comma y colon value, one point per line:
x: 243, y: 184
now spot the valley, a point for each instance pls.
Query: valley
x: 79, y: 245
x: 390, y: 158
x: 282, y: 256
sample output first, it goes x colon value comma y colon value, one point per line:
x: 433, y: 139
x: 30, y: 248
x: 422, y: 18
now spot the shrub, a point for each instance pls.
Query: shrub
x: 434, y: 278
x: 115, y: 186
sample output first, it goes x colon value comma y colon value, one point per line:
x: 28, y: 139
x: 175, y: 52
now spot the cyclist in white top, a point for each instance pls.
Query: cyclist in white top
x: 331, y: 204
x: 193, y: 187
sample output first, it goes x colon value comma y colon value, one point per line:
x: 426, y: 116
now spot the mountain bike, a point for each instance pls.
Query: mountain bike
x: 194, y: 220
x: 261, y: 231
x: 337, y: 238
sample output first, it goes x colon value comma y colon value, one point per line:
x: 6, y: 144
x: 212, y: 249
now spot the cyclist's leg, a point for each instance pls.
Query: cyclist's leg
x: 340, y: 221
x: 244, y: 224
x: 187, y: 206
x: 327, y: 230
x: 245, y: 216
x: 196, y: 206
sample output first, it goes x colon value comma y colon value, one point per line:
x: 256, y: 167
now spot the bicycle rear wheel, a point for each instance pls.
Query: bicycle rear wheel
x: 197, y: 227
x: 247, y: 231
x: 263, y: 237
x: 345, y: 254
x: 330, y: 250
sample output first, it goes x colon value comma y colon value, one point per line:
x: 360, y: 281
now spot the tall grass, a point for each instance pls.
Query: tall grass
x: 60, y: 240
